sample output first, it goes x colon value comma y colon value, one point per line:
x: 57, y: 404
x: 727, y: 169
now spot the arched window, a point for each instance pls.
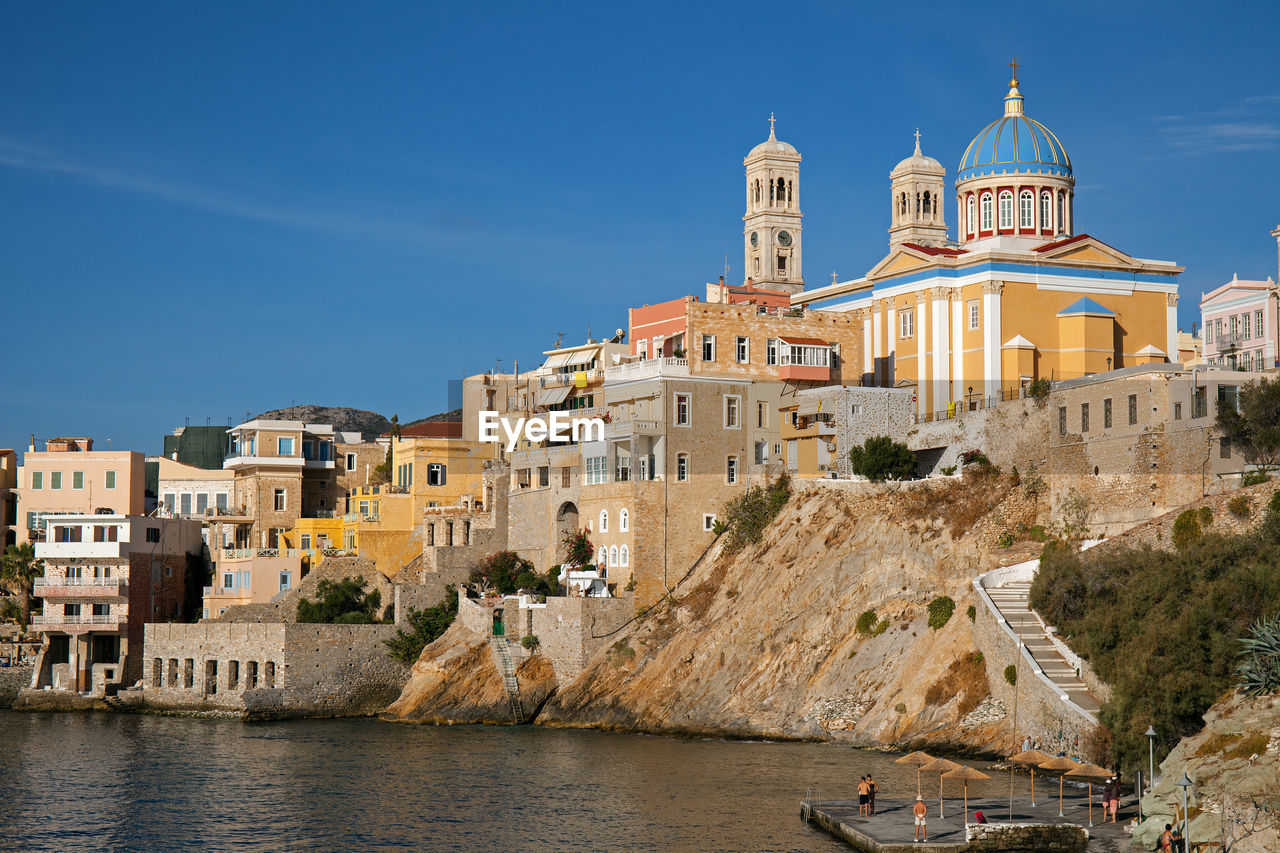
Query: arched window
x: 1046, y: 210
x: 602, y: 556
x: 604, y: 521
x: 623, y: 520
x: 1026, y: 209
x: 926, y: 201
x: 757, y: 190
x: 613, y: 556
x: 903, y: 204
x: 1062, y: 211
x: 624, y: 556
x: 986, y: 211
x: 782, y: 191
x: 789, y: 188
x: 970, y: 222
x: 1006, y: 209
x: 771, y: 193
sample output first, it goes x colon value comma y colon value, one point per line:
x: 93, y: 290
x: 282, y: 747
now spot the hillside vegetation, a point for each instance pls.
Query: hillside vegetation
x: 1162, y: 627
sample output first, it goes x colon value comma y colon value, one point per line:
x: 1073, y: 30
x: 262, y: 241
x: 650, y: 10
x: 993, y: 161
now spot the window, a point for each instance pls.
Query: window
x: 602, y: 556
x: 1062, y: 420
x: 1026, y: 209
x: 185, y: 503
x: 285, y: 578
x: 855, y: 409
x: 170, y: 502
x: 708, y: 347
x: 279, y: 501
x: 1208, y: 333
x: 604, y: 521
x: 1133, y: 409
x: 986, y: 212
x: 351, y: 462
x: 969, y: 220
x: 708, y: 520
x: 744, y: 350
x: 624, y: 556
x: 77, y: 479
x: 220, y: 500
x: 1062, y: 213
x: 1177, y: 411
x: 1257, y: 324
x: 782, y: 263
x: 55, y: 479
x: 544, y: 476
x: 565, y: 477
x: 762, y: 415
x: 1106, y: 413
x: 436, y: 474
x: 284, y: 446
x: 597, y: 470
x: 37, y: 480
x: 1046, y: 209
x: 682, y: 467
x: 1006, y: 209
x: 973, y: 314
x: 624, y: 520
x: 1244, y: 326
x: 906, y: 323
x: 307, y: 449
x: 762, y: 452
x: 682, y: 413
x: 771, y: 351
x: 202, y: 503
x: 731, y: 470
x: 1084, y: 417
x: 306, y: 541
x: 623, y: 472
x: 153, y: 534
x: 732, y: 413
x: 613, y: 555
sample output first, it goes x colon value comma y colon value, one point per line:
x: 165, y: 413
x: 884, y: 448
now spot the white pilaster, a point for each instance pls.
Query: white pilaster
x: 922, y: 356
x: 868, y: 359
x: 957, y: 344
x: 876, y: 346
x: 991, y: 336
x: 890, y: 346
x: 940, y: 315
x: 1171, y: 328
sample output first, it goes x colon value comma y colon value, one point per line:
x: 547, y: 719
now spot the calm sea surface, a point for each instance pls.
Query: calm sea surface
x: 79, y: 782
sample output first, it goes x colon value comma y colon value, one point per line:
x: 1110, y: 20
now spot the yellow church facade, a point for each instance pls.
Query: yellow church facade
x: 1018, y: 297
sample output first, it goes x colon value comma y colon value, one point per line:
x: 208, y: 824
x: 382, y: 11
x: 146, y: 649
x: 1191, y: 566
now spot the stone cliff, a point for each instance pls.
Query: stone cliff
x: 766, y: 642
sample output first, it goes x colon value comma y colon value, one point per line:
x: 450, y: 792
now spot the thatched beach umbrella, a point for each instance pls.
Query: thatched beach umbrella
x: 966, y: 773
x: 940, y: 766
x: 917, y: 758
x: 1031, y: 758
x: 1090, y: 772
x: 1059, y: 764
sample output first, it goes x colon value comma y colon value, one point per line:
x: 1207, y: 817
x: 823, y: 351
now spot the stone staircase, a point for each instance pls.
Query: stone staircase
x: 1011, y: 599
x: 502, y: 653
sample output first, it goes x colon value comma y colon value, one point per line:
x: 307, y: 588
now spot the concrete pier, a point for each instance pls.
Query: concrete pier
x: 892, y: 828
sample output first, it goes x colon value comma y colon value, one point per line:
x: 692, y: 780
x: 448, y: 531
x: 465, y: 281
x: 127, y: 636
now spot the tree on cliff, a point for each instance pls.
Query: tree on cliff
x: 507, y: 572
x: 18, y: 570
x: 1254, y: 427
x: 425, y: 627
x: 343, y: 603
x: 881, y: 458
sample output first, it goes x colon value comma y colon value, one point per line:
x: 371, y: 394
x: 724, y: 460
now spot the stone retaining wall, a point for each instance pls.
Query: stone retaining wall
x: 13, y: 679
x: 1041, y: 837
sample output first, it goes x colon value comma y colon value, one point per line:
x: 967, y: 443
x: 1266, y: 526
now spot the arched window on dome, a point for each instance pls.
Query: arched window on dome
x: 1026, y: 210
x: 1046, y: 211
x: 782, y: 191
x: 1006, y: 209
x: 604, y: 521
x: 986, y: 211
x: 1062, y: 211
x: 970, y: 222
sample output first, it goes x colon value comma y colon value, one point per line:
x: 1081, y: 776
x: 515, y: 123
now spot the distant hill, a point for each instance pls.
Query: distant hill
x: 370, y: 424
x: 453, y: 416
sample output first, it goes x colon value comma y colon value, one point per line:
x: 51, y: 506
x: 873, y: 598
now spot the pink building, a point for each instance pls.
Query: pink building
x: 1239, y: 322
x: 69, y: 477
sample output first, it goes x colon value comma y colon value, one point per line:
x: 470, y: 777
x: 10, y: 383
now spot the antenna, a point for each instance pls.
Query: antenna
x: 559, y: 339
x: 726, y: 265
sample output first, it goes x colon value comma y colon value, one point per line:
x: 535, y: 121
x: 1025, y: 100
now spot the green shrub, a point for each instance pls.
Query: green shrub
x: 1186, y: 529
x: 1038, y: 390
x: 1011, y: 674
x: 9, y: 611
x: 900, y: 708
x: 1037, y: 533
x: 578, y: 549
x: 621, y: 653
x: 866, y: 621
x: 1006, y: 539
x: 972, y: 613
x: 1239, y: 507
x: 343, y: 603
x: 425, y: 627
x: 1205, y: 516
x: 745, y: 517
x: 880, y: 628
x: 1255, y: 478
x: 940, y: 610
x: 977, y: 657
x: 947, y: 470
x: 530, y: 642
x: 1259, y: 671
x: 881, y: 458
x: 508, y: 572
x: 1273, y: 505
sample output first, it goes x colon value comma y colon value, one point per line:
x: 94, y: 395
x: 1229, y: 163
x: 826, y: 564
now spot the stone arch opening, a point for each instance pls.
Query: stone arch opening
x: 567, y: 523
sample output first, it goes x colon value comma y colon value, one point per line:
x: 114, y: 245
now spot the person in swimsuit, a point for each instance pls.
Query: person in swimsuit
x: 920, y: 810
x: 863, y: 796
x: 872, y: 787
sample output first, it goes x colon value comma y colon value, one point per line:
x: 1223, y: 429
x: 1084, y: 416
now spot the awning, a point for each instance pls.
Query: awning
x: 809, y: 405
x: 803, y: 342
x: 560, y: 359
x: 585, y: 356
x: 553, y: 396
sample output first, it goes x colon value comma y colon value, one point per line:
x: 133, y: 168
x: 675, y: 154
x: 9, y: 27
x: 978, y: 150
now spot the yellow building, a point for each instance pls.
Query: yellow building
x: 1021, y: 296
x: 434, y: 464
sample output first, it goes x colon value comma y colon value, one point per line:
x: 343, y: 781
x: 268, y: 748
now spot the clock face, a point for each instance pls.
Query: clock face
x: 755, y: 239
x: 784, y: 238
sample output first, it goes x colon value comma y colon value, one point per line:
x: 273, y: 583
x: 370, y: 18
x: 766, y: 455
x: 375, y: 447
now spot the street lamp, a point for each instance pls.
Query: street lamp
x: 1151, y: 757
x: 1185, y: 783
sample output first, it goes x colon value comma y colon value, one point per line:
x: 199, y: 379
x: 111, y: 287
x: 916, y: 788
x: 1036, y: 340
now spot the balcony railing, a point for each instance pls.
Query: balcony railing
x: 361, y: 516
x: 81, y: 619
x: 646, y: 369
x: 250, y: 553
x: 45, y: 587
x: 560, y: 380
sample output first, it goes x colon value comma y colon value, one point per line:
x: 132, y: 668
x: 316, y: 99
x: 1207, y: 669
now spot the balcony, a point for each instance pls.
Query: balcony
x: 618, y: 429
x: 77, y: 624
x: 653, y: 368
x: 251, y: 553
x: 236, y: 460
x: 80, y: 587
x: 561, y: 380
x: 82, y: 550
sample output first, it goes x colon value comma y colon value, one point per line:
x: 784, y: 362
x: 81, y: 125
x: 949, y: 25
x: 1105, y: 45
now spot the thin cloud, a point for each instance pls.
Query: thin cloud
x: 1245, y: 125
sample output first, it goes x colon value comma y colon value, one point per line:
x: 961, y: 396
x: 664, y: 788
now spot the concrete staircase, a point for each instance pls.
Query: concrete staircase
x: 1011, y: 599
x: 502, y: 653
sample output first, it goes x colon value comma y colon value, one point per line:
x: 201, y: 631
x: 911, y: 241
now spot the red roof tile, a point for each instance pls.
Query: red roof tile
x: 804, y: 342
x: 936, y: 250
x: 1054, y: 244
x: 432, y: 429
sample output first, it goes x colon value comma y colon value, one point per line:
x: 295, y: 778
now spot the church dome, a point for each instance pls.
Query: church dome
x: 773, y: 145
x: 1014, y: 143
x: 918, y: 162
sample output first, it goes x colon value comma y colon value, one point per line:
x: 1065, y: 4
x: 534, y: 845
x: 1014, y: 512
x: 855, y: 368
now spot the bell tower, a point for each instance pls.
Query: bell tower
x: 773, y: 222
x: 916, y: 187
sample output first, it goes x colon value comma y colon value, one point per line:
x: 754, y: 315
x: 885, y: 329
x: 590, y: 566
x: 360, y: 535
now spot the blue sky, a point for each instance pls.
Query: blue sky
x: 214, y: 209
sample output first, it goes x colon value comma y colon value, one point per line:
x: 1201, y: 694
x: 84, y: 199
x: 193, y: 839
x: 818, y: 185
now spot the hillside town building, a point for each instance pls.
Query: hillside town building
x: 1239, y: 322
x: 69, y: 477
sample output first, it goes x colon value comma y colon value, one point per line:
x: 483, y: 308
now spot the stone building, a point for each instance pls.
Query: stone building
x: 1239, y: 322
x: 8, y: 498
x: 104, y: 577
x: 820, y: 426
x: 1134, y: 443
x: 356, y: 458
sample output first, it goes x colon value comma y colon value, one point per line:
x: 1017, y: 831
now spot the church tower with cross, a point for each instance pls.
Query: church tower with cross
x: 916, y: 186
x: 772, y: 226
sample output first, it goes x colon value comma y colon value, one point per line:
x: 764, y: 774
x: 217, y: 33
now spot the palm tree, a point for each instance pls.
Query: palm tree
x: 18, y: 570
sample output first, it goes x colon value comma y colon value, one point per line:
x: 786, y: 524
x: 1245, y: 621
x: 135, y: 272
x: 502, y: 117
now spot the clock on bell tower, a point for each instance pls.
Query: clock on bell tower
x: 773, y: 222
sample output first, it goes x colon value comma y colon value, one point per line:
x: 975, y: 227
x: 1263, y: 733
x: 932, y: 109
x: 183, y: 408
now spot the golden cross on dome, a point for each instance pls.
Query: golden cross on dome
x: 834, y: 278
x: 1014, y: 65
x: 917, y: 140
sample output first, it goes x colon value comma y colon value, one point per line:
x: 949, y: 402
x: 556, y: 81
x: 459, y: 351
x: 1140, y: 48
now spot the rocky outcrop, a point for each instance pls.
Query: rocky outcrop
x: 456, y: 680
x: 12, y: 680
x: 1235, y: 764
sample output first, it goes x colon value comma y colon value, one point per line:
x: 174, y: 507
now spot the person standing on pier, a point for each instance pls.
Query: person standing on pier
x: 920, y: 810
x: 864, y: 795
x: 872, y: 787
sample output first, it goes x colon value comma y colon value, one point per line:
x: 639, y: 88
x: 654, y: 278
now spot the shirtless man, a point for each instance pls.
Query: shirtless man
x: 920, y: 810
x: 864, y: 795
